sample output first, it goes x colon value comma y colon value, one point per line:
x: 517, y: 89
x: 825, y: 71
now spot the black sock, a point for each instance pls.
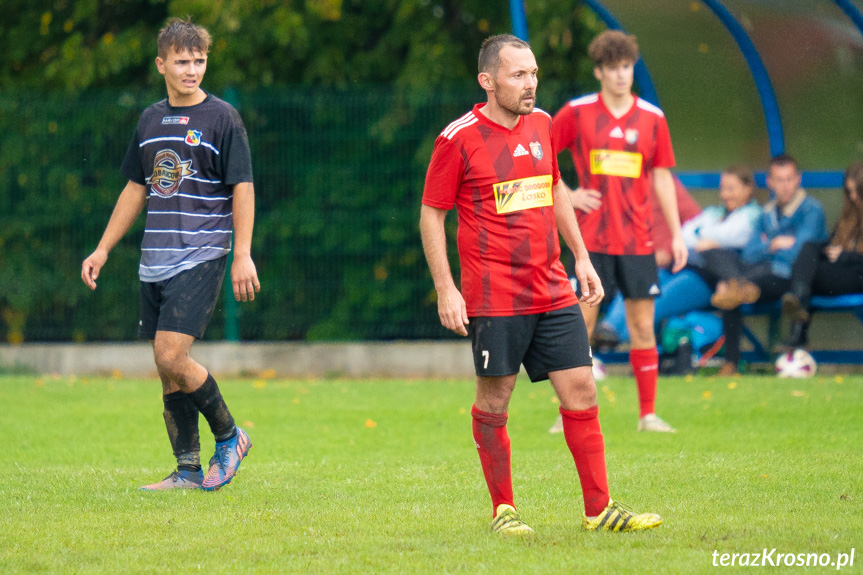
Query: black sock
x: 181, y: 421
x: 209, y: 402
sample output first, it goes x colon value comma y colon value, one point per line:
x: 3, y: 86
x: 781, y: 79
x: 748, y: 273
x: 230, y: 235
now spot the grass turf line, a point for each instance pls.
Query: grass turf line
x: 382, y: 476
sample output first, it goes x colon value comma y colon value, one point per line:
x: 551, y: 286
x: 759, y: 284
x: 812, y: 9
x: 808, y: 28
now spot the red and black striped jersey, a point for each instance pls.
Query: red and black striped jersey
x: 500, y: 182
x: 615, y: 157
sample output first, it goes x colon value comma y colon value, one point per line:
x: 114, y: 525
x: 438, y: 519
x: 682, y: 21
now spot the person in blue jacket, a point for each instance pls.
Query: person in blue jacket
x: 763, y: 271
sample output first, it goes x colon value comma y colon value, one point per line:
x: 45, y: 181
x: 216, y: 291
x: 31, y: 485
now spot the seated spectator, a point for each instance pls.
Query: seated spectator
x: 763, y: 271
x: 828, y: 268
x: 728, y: 225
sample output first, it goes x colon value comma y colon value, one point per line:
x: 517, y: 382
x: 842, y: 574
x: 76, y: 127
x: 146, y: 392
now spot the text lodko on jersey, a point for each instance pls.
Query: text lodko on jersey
x: 501, y: 182
x: 188, y: 158
x: 615, y: 157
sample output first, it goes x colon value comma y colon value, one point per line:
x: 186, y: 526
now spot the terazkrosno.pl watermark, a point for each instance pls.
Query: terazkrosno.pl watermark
x: 774, y: 558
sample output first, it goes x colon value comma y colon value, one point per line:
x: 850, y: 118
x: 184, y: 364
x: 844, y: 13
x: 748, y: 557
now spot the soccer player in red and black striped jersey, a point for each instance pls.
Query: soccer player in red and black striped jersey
x: 498, y: 167
x: 618, y: 141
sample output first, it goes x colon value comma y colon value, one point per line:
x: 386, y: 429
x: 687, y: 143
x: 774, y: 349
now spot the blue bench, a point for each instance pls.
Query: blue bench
x: 852, y: 303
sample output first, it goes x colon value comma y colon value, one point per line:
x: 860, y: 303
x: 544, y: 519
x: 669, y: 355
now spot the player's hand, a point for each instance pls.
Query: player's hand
x: 781, y: 243
x: 452, y: 310
x: 91, y: 267
x: 680, y: 253
x: 833, y: 252
x: 585, y: 200
x: 592, y: 292
x: 244, y: 278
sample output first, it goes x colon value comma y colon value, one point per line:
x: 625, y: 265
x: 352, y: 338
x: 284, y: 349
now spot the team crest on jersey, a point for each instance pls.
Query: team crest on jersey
x: 631, y: 136
x: 172, y: 120
x: 193, y: 137
x: 169, y: 171
x: 536, y: 150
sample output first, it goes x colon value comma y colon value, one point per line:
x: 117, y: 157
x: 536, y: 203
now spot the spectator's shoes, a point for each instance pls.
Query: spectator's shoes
x: 728, y: 369
x: 178, y: 479
x: 616, y: 517
x: 225, y: 462
x: 798, y: 336
x: 508, y: 523
x: 793, y: 309
x: 734, y: 293
x: 652, y: 422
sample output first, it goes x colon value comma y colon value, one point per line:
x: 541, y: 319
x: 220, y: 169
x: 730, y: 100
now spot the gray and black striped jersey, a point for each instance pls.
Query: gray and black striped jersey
x: 189, y: 160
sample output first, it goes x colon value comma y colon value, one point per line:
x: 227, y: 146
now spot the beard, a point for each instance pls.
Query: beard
x: 516, y: 106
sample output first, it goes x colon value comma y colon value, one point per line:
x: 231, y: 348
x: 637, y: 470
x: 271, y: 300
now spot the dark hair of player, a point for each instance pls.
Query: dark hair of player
x: 489, y: 52
x: 611, y: 47
x: 743, y: 173
x: 783, y: 160
x: 183, y: 35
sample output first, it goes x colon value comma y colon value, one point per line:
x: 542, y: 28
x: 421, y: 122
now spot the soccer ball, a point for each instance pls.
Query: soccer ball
x: 598, y: 369
x: 796, y: 364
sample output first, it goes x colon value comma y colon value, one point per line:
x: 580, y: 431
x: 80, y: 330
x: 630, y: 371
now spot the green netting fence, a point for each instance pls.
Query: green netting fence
x: 338, y: 178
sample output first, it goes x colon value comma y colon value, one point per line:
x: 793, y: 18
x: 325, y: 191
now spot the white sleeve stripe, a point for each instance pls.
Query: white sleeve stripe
x: 453, y: 125
x: 589, y: 99
x: 457, y: 130
x: 645, y: 105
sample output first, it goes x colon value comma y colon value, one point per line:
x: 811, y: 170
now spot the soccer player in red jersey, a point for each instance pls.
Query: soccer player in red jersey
x: 618, y: 141
x: 497, y: 166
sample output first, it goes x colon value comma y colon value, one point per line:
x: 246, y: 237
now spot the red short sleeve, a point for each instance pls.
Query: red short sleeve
x: 444, y: 175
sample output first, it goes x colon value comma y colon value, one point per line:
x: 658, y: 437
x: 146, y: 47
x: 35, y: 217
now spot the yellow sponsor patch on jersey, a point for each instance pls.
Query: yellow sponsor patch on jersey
x: 615, y: 163
x: 523, y: 194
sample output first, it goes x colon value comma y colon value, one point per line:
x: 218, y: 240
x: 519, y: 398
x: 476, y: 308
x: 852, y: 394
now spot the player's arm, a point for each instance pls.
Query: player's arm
x: 132, y: 200
x: 450, y: 303
x: 244, y: 275
x: 663, y: 186
x: 591, y: 288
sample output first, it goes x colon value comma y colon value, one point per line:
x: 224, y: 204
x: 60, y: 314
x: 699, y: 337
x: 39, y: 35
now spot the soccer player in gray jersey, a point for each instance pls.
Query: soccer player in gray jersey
x: 189, y: 163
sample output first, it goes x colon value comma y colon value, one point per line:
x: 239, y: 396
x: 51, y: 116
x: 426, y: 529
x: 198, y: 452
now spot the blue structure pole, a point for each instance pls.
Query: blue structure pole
x: 852, y: 12
x: 642, y: 75
x: 759, y: 74
x: 519, y: 19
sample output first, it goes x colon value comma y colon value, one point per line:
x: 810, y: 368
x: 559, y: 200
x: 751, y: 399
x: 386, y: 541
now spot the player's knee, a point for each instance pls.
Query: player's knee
x: 641, y: 328
x: 170, y: 361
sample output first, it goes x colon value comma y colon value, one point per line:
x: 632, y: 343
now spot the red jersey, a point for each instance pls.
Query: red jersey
x: 615, y: 157
x: 500, y: 182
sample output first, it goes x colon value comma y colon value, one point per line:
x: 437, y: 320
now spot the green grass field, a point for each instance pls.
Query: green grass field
x: 382, y: 477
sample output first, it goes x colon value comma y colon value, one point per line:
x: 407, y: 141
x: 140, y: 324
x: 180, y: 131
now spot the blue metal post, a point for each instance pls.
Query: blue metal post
x: 852, y: 12
x: 519, y: 19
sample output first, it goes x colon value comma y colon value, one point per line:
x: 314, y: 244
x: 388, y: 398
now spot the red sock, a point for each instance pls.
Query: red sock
x: 645, y: 366
x: 584, y: 439
x: 492, y: 443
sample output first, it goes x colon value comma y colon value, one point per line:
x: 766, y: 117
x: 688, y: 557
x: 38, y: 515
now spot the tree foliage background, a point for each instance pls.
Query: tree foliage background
x: 342, y: 100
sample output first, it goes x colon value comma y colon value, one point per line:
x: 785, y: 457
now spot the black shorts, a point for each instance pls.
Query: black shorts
x: 543, y: 342
x: 183, y: 303
x: 637, y: 277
